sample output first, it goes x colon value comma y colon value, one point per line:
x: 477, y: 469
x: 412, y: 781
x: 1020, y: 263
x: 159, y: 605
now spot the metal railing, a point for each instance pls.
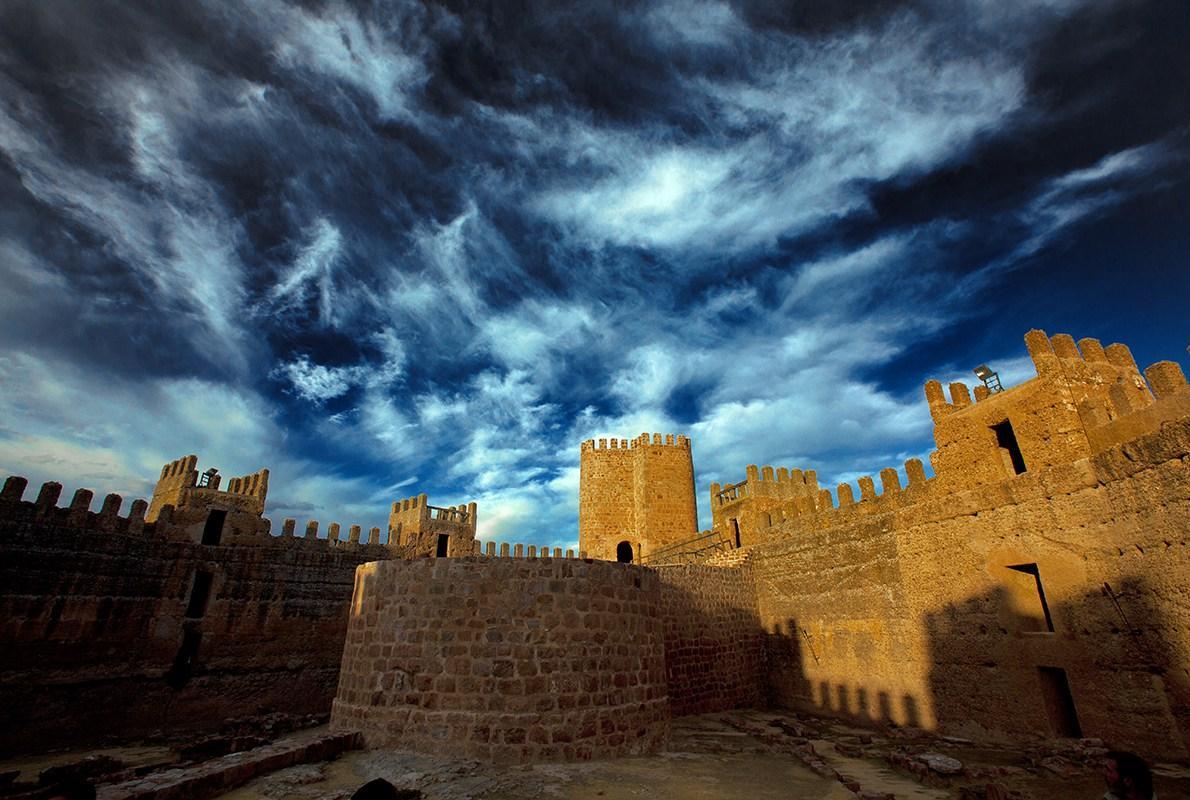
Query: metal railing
x: 691, y: 551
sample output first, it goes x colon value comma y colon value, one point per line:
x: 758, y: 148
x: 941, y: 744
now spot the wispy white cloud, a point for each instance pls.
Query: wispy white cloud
x: 834, y: 115
x: 315, y: 382
x: 168, y: 229
x: 336, y: 41
x: 312, y: 268
x: 1074, y: 199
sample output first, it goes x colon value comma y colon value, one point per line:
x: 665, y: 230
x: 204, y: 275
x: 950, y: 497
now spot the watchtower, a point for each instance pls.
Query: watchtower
x: 203, y: 512
x: 635, y: 497
x: 425, y: 530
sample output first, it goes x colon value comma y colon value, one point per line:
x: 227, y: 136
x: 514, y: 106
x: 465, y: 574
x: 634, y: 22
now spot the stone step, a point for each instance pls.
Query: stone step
x: 219, y: 775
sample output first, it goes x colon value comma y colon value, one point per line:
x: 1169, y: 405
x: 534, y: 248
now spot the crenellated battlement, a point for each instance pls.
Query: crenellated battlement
x: 78, y: 514
x: 512, y: 550
x: 759, y: 517
x: 335, y: 536
x: 1085, y: 398
x: 766, y: 481
x: 169, y: 525
x: 421, y: 529
x: 179, y: 486
x: 644, y: 440
x: 635, y: 495
x: 254, y: 484
x: 1105, y: 379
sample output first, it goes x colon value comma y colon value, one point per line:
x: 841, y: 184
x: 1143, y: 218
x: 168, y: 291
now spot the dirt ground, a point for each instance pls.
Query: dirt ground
x: 744, y: 755
x: 740, y: 755
x: 706, y: 759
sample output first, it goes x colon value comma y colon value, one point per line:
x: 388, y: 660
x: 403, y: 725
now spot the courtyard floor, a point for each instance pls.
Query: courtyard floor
x: 735, y: 755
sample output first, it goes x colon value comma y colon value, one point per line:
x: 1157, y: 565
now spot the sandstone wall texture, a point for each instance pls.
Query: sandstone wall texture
x: 1035, y: 585
x: 420, y: 529
x: 930, y: 614
x: 113, y: 629
x: 714, y: 647
x: 640, y: 493
x: 506, y: 660
x: 742, y: 511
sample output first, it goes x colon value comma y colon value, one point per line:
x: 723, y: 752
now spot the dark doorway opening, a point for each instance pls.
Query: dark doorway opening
x: 183, y: 667
x: 443, y: 544
x: 1059, y: 702
x: 1031, y: 569
x: 1010, y: 450
x: 624, y: 552
x: 200, y: 592
x: 735, y: 526
x: 212, y: 532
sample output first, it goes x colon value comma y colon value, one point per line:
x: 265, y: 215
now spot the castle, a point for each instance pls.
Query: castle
x: 1034, y: 582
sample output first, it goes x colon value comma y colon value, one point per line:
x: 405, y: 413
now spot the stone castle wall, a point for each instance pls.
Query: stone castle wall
x: 640, y: 492
x: 1003, y: 575
x: 419, y: 528
x: 102, y: 636
x: 506, y: 660
x: 714, y: 647
x: 664, y: 504
x: 911, y: 612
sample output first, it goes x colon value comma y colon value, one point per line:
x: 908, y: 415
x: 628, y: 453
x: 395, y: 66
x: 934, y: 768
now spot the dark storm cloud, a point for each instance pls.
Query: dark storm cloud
x: 397, y: 246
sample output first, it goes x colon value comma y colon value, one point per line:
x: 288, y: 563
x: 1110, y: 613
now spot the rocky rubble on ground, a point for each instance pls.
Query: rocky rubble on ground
x: 974, y: 771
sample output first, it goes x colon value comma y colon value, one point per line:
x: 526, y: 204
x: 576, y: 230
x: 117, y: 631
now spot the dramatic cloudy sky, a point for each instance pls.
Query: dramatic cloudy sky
x: 399, y: 247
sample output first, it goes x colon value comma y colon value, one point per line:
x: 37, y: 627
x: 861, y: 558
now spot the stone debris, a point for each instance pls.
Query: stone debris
x: 943, y: 765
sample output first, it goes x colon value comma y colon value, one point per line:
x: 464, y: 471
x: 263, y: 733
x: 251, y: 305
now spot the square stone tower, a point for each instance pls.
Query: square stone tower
x: 635, y: 497
x: 202, y: 511
x: 421, y: 529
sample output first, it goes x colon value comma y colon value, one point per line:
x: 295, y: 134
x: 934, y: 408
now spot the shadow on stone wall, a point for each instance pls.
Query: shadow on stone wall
x: 1109, y: 668
x: 714, y: 650
x: 788, y: 647
x: 107, y: 637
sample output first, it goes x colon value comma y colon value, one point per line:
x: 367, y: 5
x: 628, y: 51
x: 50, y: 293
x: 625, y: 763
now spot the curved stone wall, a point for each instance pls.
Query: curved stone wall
x: 506, y: 660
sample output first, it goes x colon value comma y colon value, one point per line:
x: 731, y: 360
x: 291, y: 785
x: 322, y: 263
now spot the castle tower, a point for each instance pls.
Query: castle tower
x: 1081, y: 400
x: 201, y: 510
x: 635, y: 497
x: 421, y: 529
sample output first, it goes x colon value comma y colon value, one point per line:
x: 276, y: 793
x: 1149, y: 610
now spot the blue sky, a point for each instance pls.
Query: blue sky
x: 386, y: 248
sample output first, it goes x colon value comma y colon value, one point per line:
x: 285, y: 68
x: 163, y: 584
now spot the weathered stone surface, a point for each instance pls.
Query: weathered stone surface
x: 714, y: 648
x: 638, y: 493
x: 943, y: 765
x: 505, y: 660
x: 213, y: 778
x: 95, y: 612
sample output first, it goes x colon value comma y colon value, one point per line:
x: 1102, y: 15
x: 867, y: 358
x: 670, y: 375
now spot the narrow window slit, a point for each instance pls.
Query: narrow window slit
x: 1010, y: 449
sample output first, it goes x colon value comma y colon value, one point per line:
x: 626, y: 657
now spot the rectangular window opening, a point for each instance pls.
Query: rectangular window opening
x: 1010, y: 450
x: 1032, y: 571
x: 443, y: 544
x: 1059, y: 702
x: 735, y: 524
x: 200, y: 592
x: 212, y: 532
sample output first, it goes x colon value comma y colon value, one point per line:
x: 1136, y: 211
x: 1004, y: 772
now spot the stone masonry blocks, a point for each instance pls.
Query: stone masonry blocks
x: 507, y: 661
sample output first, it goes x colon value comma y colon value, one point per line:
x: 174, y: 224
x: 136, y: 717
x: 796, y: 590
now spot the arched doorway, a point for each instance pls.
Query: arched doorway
x: 624, y: 552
